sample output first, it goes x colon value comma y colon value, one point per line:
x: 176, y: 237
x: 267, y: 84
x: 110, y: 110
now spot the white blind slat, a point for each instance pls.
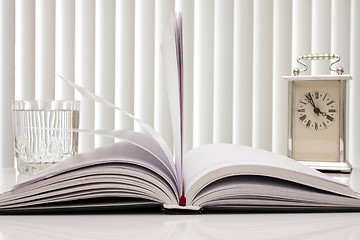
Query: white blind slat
x: 124, y: 62
x: 354, y: 138
x: 320, y: 35
x: 7, y: 80
x: 104, y: 67
x: 45, y: 49
x: 65, y: 46
x: 85, y: 66
x: 281, y: 67
x: 262, y: 88
x: 203, y: 71
x: 162, y: 122
x: 243, y: 71
x: 301, y: 38
x: 144, y: 61
x: 25, y: 49
x: 223, y: 70
x: 340, y: 32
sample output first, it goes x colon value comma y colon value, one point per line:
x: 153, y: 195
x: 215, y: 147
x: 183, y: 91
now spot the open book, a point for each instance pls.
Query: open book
x: 141, y: 171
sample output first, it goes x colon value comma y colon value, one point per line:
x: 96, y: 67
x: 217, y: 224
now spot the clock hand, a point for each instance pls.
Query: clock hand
x: 311, y: 101
x: 323, y: 113
x: 328, y: 117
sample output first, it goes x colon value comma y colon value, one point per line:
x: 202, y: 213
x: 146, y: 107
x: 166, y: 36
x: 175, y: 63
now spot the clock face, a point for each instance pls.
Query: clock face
x: 316, y: 110
x: 315, y: 121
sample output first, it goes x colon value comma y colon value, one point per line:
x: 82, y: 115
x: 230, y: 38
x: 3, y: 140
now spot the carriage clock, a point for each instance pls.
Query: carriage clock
x: 317, y: 116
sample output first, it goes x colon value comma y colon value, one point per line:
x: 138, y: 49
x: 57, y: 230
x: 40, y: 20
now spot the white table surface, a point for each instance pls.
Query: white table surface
x: 164, y: 226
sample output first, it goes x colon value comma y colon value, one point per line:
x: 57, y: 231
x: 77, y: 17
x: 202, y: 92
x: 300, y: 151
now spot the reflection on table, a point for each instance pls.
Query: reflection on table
x: 162, y: 226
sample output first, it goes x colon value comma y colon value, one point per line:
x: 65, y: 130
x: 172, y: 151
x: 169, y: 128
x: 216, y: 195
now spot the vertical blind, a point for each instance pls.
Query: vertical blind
x: 235, y: 52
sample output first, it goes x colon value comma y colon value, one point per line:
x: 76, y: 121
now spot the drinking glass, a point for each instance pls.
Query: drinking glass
x: 42, y: 133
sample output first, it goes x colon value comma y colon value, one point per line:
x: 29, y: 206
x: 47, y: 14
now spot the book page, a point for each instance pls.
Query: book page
x: 140, y: 140
x: 171, y: 50
x: 150, y: 130
x: 117, y: 170
x: 264, y: 191
x: 96, y: 187
x: 212, y: 162
x: 114, y: 178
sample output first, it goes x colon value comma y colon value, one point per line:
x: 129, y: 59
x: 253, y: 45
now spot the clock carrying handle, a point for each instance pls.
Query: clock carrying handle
x: 320, y: 56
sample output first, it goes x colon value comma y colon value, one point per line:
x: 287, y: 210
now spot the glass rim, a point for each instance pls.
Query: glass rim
x: 54, y: 105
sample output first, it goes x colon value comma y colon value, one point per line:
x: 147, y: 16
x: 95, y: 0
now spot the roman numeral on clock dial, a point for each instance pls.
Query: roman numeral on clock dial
x: 302, y: 118
x: 308, y: 123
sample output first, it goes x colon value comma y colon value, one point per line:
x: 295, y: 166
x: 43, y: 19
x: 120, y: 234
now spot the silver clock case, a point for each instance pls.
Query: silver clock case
x: 342, y: 165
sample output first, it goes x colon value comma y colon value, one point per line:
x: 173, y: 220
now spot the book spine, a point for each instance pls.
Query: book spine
x: 179, y: 209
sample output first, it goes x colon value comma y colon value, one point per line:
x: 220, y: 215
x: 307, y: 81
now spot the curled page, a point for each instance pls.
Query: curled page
x: 171, y: 50
x: 144, y: 125
x: 141, y: 140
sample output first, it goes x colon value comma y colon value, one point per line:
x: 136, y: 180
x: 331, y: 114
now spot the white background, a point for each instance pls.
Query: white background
x: 235, y: 52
